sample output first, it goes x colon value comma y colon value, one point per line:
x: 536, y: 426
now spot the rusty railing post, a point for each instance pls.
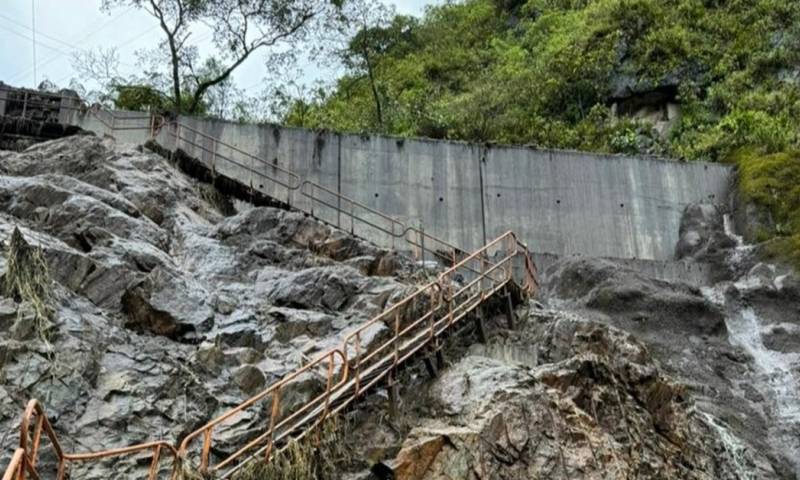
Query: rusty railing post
x: 276, y: 399
x: 358, y: 363
x: 204, y: 456
x: 214, y: 147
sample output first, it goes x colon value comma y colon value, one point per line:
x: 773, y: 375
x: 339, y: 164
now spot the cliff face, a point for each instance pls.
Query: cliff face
x: 168, y: 306
x: 164, y: 303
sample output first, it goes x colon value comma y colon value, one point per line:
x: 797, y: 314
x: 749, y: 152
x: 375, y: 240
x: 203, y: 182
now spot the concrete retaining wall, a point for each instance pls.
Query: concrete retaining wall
x: 559, y: 202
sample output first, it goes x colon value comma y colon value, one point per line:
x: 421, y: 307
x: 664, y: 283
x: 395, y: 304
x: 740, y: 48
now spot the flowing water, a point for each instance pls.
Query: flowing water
x: 775, y: 374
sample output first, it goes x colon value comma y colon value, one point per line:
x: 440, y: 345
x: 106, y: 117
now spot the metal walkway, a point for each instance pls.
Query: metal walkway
x: 367, y: 356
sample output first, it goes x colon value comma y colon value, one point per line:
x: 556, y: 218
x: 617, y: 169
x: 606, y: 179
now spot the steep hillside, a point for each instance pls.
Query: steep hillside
x: 137, y: 304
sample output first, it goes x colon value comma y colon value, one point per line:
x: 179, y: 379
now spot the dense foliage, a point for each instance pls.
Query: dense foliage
x: 547, y: 72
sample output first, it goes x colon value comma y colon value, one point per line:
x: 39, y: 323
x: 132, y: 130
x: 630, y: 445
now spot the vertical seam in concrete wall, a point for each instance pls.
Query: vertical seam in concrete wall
x: 339, y: 181
x: 481, y: 161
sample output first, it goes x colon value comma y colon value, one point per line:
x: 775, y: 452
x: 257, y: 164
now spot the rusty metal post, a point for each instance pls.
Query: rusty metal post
x: 153, y: 474
x: 422, y: 243
x: 251, y: 183
x: 328, y: 386
x: 204, y: 456
x: 396, y: 339
x: 352, y: 220
x: 358, y: 363
x: 214, y: 147
x: 62, y: 470
x: 272, y: 419
x: 394, y: 395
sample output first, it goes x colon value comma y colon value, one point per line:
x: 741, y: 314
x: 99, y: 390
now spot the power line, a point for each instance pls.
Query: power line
x: 21, y: 73
x: 33, y: 28
x: 39, y: 33
x: 26, y: 37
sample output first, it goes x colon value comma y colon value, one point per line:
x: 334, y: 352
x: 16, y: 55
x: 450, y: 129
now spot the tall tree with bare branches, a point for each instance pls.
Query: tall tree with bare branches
x: 238, y: 29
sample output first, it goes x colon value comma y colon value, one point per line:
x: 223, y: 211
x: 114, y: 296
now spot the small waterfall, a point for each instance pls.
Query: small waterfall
x: 735, y: 449
x: 773, y: 372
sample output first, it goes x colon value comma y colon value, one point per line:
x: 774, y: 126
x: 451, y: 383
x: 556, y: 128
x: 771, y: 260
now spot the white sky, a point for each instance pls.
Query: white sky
x: 67, y: 26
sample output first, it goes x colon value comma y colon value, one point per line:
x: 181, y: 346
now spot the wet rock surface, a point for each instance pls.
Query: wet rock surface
x: 733, y: 343
x: 587, y: 401
x: 168, y: 307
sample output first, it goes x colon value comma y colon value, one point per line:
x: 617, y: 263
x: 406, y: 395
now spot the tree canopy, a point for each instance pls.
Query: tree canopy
x: 547, y: 72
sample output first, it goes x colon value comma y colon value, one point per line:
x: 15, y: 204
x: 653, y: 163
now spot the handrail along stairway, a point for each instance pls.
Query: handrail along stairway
x: 358, y: 364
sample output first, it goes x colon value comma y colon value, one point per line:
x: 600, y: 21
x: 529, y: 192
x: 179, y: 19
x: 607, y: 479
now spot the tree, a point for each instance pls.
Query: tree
x: 239, y: 28
x: 366, y: 30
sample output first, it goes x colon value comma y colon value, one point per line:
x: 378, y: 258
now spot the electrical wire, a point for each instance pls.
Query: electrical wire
x: 26, y: 37
x: 39, y: 33
x: 21, y: 73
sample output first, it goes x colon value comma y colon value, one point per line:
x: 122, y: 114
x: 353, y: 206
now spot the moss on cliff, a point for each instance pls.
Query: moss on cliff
x: 772, y: 182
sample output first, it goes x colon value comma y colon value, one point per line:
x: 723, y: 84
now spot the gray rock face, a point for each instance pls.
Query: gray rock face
x: 167, y: 311
x: 596, y: 406
x: 733, y: 343
x: 643, y: 305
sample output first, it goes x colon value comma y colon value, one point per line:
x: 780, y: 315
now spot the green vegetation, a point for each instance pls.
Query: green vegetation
x: 772, y: 182
x: 552, y: 72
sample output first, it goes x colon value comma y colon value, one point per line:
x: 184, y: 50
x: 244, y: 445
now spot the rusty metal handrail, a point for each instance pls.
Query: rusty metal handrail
x: 274, y: 391
x: 29, y: 446
x: 417, y: 238
x: 404, y: 343
x: 451, y: 305
x: 408, y: 338
x: 19, y: 466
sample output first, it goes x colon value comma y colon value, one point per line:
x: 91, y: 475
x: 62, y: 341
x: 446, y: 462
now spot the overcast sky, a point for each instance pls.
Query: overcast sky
x: 66, y: 26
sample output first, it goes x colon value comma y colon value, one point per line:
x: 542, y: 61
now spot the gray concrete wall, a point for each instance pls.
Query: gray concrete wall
x: 3, y: 96
x: 605, y: 206
x: 434, y: 186
x: 559, y: 202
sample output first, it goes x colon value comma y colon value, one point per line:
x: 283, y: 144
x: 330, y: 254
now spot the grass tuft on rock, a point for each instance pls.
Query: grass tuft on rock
x: 27, y: 279
x: 316, y: 456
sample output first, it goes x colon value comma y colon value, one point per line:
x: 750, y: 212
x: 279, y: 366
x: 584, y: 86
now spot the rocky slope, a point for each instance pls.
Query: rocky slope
x: 168, y: 305
x: 624, y: 376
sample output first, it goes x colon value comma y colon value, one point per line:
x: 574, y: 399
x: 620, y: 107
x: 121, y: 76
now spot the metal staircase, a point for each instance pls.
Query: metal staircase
x: 416, y: 323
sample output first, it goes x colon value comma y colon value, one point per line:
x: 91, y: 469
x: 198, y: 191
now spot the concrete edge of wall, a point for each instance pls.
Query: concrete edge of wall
x: 400, y: 140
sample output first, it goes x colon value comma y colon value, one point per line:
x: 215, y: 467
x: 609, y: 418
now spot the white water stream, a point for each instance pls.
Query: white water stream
x: 775, y: 373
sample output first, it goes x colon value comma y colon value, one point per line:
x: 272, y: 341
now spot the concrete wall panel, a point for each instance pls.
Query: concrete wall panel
x: 600, y: 205
x: 419, y: 182
x: 559, y: 202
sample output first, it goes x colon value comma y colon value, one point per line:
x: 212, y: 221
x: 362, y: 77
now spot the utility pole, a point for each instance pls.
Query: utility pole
x: 33, y: 28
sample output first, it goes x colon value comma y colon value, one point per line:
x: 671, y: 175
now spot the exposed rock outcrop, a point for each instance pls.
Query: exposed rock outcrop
x: 168, y: 308
x: 595, y: 405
